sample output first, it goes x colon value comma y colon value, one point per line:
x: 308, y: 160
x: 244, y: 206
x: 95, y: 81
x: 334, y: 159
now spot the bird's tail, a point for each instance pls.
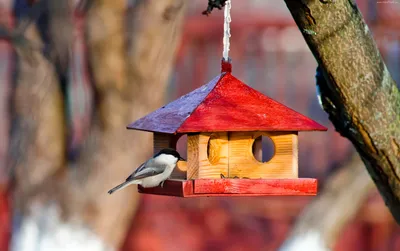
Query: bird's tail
x: 123, y: 185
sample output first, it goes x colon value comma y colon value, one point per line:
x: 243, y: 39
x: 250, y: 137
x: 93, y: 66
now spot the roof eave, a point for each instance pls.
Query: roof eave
x: 227, y: 130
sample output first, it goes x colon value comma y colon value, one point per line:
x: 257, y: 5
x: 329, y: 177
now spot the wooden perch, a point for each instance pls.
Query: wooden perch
x: 359, y: 94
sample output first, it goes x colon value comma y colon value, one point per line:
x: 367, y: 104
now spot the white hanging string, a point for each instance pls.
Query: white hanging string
x: 227, y: 30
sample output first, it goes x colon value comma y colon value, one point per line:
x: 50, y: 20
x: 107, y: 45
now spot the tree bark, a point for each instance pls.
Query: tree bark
x: 38, y: 132
x: 359, y: 94
x: 37, y: 146
x: 63, y: 204
x: 320, y: 223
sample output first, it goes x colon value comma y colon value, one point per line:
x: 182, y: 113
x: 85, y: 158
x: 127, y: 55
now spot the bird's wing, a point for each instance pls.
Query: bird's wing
x: 141, y: 167
x: 136, y: 171
x: 146, y: 169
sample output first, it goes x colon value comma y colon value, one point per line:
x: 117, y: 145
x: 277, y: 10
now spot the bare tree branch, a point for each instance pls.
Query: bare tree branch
x: 324, y: 218
x: 130, y: 81
x: 57, y: 30
x: 56, y: 27
x: 38, y: 132
x: 19, y: 41
x: 24, y: 21
x: 360, y: 96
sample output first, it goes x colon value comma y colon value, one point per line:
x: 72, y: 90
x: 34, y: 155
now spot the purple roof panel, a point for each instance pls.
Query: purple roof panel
x: 169, y: 118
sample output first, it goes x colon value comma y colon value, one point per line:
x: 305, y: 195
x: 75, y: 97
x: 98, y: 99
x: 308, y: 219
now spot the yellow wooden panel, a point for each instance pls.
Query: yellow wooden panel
x: 212, y: 159
x: 213, y: 155
x: 193, y: 156
x: 282, y: 165
x: 295, y: 155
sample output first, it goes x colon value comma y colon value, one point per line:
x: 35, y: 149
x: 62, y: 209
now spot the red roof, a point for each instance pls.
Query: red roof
x: 225, y: 104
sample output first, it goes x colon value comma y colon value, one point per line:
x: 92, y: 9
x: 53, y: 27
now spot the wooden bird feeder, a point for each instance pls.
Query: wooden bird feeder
x: 221, y: 120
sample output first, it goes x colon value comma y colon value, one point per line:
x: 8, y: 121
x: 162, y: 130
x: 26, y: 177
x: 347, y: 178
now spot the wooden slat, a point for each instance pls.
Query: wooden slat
x: 163, y: 140
x: 295, y: 154
x: 193, y: 155
x: 233, y: 187
x: 284, y: 163
x: 204, y: 163
x: 213, y: 159
x: 256, y: 186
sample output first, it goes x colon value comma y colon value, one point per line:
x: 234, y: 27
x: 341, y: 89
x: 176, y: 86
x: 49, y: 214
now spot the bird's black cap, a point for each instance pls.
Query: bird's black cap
x: 170, y: 151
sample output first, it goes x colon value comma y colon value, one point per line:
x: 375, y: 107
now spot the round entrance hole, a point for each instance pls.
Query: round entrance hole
x: 214, y: 149
x: 263, y: 149
x: 181, y: 146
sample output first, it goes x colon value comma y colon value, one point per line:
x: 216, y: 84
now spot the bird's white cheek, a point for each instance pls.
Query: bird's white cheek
x: 166, y: 159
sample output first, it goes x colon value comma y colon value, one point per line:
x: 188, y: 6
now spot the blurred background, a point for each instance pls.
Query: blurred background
x: 74, y: 74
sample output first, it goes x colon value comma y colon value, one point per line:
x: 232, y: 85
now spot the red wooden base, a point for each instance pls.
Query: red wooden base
x: 234, y: 187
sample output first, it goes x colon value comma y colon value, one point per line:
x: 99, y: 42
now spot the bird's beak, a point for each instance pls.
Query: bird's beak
x: 180, y: 158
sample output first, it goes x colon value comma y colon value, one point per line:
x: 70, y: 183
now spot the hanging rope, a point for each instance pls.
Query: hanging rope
x: 226, y: 62
x: 227, y: 30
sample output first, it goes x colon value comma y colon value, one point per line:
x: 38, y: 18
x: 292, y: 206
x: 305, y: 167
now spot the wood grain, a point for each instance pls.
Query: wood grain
x: 164, y: 140
x: 207, y: 160
x: 284, y: 163
x: 193, y: 155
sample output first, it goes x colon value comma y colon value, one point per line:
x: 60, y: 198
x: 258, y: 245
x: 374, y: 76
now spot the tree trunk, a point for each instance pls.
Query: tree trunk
x: 63, y: 204
x: 359, y: 95
x: 321, y: 222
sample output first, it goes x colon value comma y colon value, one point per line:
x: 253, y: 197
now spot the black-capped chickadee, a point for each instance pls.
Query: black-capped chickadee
x: 154, y: 171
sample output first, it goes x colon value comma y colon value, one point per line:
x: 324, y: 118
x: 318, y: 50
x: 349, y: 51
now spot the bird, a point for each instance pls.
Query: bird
x: 154, y: 171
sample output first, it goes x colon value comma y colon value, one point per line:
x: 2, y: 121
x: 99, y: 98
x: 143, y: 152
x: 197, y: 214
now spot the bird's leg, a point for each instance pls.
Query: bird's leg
x: 162, y: 184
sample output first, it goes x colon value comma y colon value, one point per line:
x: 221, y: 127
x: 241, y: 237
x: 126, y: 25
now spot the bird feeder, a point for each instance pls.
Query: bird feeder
x: 222, y: 119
